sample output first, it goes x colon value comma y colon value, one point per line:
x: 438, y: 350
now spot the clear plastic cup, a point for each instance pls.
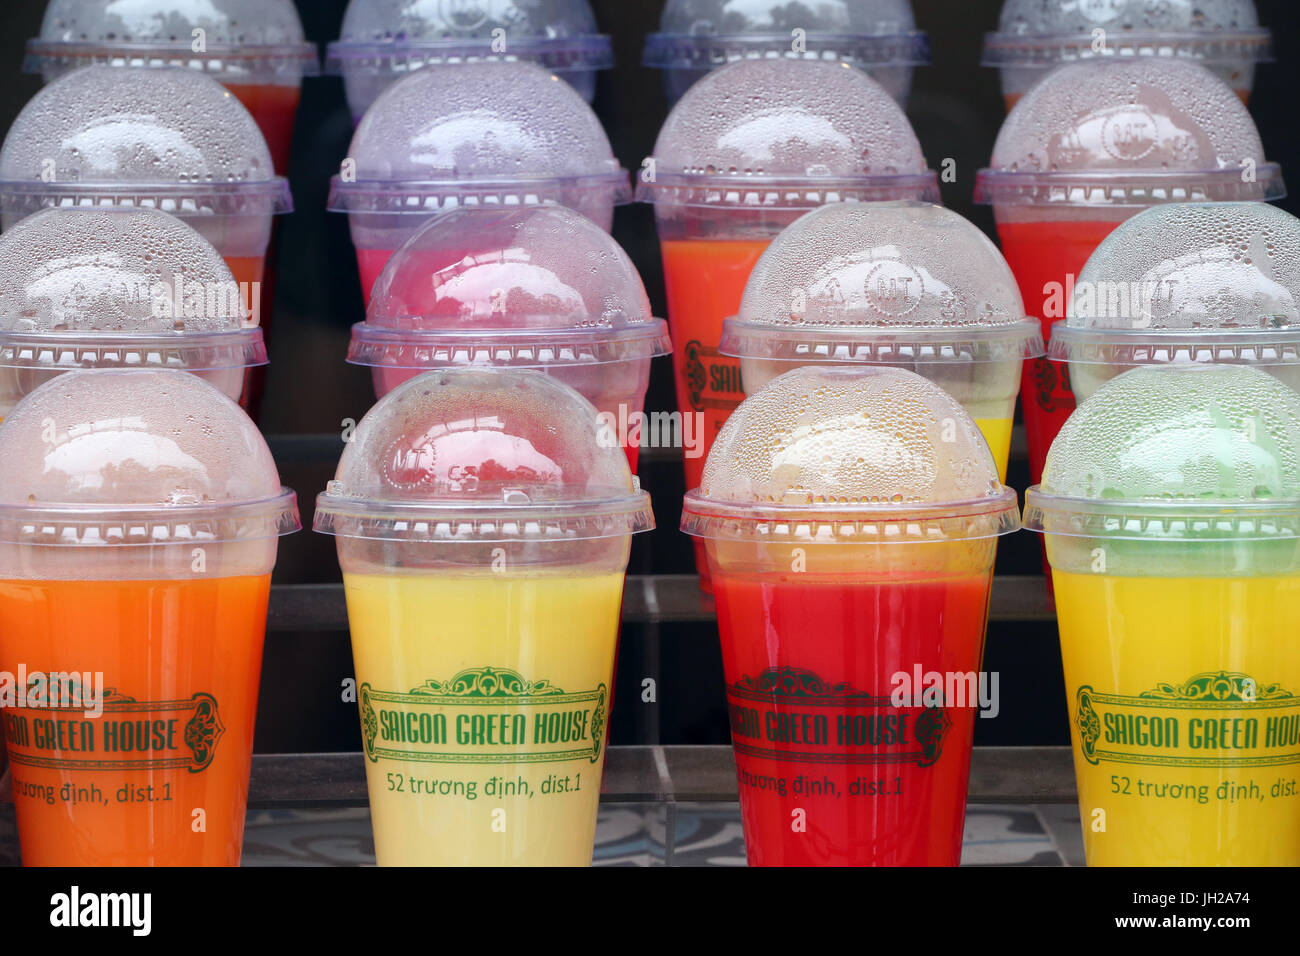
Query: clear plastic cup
x: 1088, y: 148
x: 748, y: 150
x: 1035, y: 36
x: 170, y: 139
x: 139, y: 518
x: 1171, y: 512
x: 118, y: 288
x: 255, y: 48
x: 696, y: 36
x: 501, y: 134
x: 483, y: 530
x: 851, y: 516
x: 385, y: 40
x: 1210, y: 282
x: 541, y: 287
x: 906, y: 284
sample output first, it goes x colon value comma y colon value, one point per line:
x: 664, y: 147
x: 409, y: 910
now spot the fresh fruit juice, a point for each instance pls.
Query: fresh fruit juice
x: 484, y: 702
x: 810, y: 661
x: 371, y: 263
x: 248, y: 270
x: 275, y: 109
x: 161, y: 777
x: 1185, y: 716
x: 1042, y: 255
x: 997, y: 432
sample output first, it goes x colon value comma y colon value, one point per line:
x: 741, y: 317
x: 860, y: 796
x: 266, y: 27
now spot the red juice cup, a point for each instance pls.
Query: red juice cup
x: 905, y: 284
x: 383, y: 41
x: 1196, y: 283
x: 169, y: 139
x: 1036, y: 36
x: 255, y: 48
x: 748, y: 150
x: 851, y: 517
x: 1092, y: 145
x: 540, y: 287
x: 140, y: 512
x: 477, y: 134
x: 878, y: 36
x: 118, y: 288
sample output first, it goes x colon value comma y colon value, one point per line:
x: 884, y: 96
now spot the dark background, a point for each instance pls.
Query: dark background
x: 956, y: 108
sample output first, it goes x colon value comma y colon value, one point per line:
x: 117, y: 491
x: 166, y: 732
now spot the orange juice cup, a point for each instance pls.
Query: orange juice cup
x: 906, y: 284
x: 255, y: 48
x: 535, y: 287
x: 171, y: 139
x: 118, y: 288
x: 1094, y: 144
x: 139, y: 517
x: 746, y: 152
x: 878, y: 36
x: 1036, y: 36
x: 415, y: 156
x: 384, y: 40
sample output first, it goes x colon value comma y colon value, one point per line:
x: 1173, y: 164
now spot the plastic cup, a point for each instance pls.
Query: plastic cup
x: 479, y: 134
x: 1091, y: 146
x: 540, y: 287
x: 139, y: 517
x: 1035, y: 36
x: 851, y: 517
x: 483, y: 530
x: 1171, y: 512
x: 905, y: 284
x: 385, y: 40
x: 255, y: 48
x: 118, y: 288
x: 878, y: 36
x: 1212, y: 282
x: 747, y: 151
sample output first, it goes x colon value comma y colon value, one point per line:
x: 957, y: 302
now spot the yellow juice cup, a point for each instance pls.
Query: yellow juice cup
x: 907, y: 284
x: 484, y: 521
x: 1171, y: 508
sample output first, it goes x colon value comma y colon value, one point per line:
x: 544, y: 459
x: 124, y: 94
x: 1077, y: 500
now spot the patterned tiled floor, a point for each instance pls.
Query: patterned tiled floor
x: 638, y: 835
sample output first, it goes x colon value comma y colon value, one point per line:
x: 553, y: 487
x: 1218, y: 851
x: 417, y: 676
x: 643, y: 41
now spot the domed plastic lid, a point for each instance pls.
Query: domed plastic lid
x: 826, y: 453
x: 1132, y: 132
x: 385, y: 37
x: 786, y: 134
x: 1043, y: 33
x: 233, y: 39
x: 482, y: 455
x: 1210, y: 282
x: 137, y: 457
x: 174, y: 140
x: 1202, y: 451
x: 527, y: 288
x: 882, y: 282
x: 503, y: 133
x: 107, y: 288
x: 703, y: 34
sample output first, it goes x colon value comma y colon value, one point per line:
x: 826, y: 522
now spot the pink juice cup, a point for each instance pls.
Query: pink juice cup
x: 1035, y: 36
x: 255, y: 48
x: 118, y: 288
x: 878, y: 36
x: 384, y: 40
x: 537, y: 287
x: 476, y: 134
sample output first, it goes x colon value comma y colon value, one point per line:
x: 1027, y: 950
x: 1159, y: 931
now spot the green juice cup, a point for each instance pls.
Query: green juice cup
x: 1171, y: 508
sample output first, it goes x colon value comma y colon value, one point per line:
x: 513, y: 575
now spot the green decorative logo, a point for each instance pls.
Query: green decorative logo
x: 129, y: 735
x: 1214, y: 719
x: 791, y: 714
x: 484, y: 715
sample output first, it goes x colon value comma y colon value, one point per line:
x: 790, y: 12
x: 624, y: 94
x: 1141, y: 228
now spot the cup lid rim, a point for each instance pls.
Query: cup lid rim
x: 43, y: 52
x: 666, y: 50
x: 784, y: 192
x: 192, y: 351
x: 274, y: 189
x: 379, y: 346
x: 575, y: 53
x: 1003, y: 49
x: 1071, y: 343
x: 1081, y: 187
x: 378, y: 195
x: 747, y: 339
x: 1125, y: 518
